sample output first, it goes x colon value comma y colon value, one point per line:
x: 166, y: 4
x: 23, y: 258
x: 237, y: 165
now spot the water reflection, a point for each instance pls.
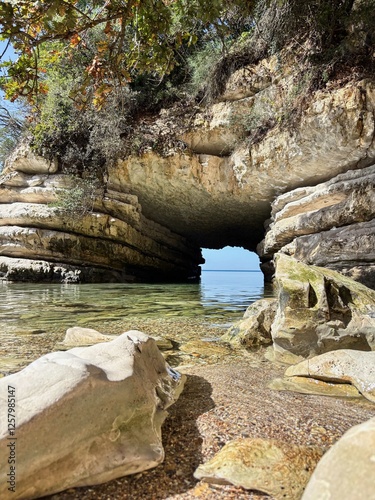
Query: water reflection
x: 221, y: 296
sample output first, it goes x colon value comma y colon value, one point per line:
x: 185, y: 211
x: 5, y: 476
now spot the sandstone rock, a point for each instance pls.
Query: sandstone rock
x: 15, y: 269
x: 344, y: 248
x: 255, y: 327
x: 329, y: 225
x: 80, y: 250
x: 78, y: 336
x: 87, y: 415
x: 345, y: 199
x: 344, y: 367
x: 274, y: 467
x: 24, y: 160
x: 247, y: 82
x: 305, y: 385
x: 219, y: 200
x: 319, y: 310
x: 92, y: 224
x: 347, y: 470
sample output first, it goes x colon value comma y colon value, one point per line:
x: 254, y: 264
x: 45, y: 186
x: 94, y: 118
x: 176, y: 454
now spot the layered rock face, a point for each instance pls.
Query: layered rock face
x: 330, y: 225
x: 114, y: 242
x: 158, y: 211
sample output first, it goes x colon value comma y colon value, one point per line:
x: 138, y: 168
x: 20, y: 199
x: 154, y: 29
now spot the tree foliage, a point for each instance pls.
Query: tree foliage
x: 137, y: 36
x: 12, y: 126
x: 90, y: 68
x: 152, y: 36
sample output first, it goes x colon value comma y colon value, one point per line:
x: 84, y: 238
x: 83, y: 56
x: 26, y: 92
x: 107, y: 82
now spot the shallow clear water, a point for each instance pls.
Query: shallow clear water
x: 220, y: 297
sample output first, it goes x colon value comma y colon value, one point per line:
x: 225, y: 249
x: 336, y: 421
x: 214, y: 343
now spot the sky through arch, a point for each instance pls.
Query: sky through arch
x: 230, y: 259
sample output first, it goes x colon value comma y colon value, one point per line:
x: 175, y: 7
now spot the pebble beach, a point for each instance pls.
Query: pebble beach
x: 226, y: 397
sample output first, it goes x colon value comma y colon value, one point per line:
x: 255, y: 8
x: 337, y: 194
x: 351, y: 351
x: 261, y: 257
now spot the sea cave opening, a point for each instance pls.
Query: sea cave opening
x: 230, y: 259
x: 231, y: 277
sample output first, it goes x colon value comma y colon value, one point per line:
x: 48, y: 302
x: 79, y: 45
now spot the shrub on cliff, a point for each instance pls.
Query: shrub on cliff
x: 93, y: 69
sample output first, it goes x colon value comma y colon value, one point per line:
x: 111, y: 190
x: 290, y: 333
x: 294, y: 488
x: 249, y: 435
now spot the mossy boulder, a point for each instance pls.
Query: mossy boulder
x: 255, y: 327
x: 319, y: 310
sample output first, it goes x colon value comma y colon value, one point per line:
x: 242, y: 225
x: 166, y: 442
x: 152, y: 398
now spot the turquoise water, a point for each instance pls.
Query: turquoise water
x: 221, y: 296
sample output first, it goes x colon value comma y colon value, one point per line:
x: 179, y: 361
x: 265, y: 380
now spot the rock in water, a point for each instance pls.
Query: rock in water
x: 345, y: 366
x: 78, y: 336
x: 255, y: 327
x: 274, y: 467
x: 320, y: 310
x: 85, y: 416
x: 347, y: 470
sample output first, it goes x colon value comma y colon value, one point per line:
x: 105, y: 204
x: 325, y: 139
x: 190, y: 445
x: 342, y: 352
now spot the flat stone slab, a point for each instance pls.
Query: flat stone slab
x: 305, y: 385
x: 345, y: 366
x: 274, y: 467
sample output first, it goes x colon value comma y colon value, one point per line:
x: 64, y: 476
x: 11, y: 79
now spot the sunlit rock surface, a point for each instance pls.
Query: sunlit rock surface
x: 87, y: 415
x: 345, y: 366
x: 347, y: 469
x: 274, y: 467
x: 319, y: 310
x: 255, y: 327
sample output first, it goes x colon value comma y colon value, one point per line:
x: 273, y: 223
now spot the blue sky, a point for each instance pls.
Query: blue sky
x: 9, y: 55
x: 230, y: 258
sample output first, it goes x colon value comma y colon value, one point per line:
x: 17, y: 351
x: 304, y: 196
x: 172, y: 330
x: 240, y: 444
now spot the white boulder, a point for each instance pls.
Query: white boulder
x: 84, y: 416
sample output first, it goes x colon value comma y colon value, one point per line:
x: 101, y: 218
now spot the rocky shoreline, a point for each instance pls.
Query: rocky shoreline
x: 222, y: 402
x: 227, y: 396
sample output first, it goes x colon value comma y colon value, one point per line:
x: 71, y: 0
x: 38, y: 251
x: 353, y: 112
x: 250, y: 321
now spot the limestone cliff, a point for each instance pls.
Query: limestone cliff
x: 114, y: 242
x: 331, y: 225
x: 158, y: 211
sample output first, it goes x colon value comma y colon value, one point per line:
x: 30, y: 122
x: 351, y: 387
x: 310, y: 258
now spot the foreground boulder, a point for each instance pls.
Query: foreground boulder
x: 319, y: 310
x: 347, y: 470
x: 84, y: 416
x: 343, y: 367
x: 274, y: 467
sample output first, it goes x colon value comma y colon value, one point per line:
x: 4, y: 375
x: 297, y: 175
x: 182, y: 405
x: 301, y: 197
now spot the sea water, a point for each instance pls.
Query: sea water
x: 35, y: 316
x: 220, y: 296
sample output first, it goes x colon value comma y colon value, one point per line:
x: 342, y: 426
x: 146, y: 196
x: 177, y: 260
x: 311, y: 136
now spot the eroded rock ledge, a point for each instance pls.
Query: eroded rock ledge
x: 114, y: 242
x: 330, y: 225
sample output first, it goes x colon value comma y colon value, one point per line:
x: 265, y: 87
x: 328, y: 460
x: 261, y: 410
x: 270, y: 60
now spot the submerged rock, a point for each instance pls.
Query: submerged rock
x: 274, y: 467
x: 347, y: 470
x: 320, y: 310
x: 87, y: 415
x: 343, y: 367
x: 204, y: 349
x: 78, y: 336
